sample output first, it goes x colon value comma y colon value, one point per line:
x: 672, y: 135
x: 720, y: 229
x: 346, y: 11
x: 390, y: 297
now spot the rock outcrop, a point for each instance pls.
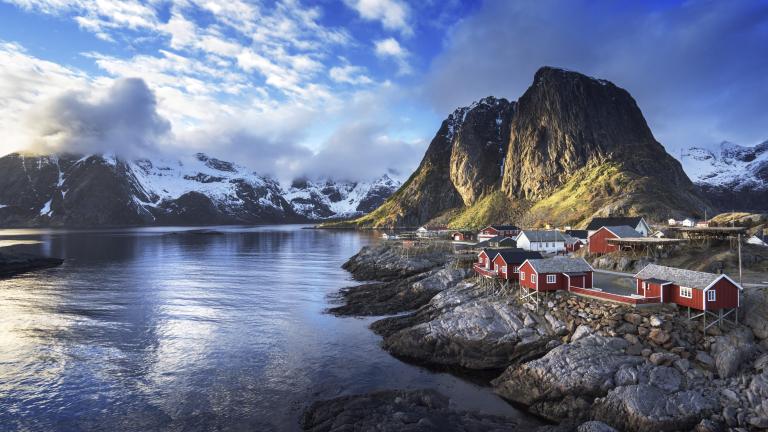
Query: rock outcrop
x: 648, y: 408
x: 462, y: 327
x: 562, y: 384
x: 13, y: 262
x: 398, y: 410
x: 388, y: 261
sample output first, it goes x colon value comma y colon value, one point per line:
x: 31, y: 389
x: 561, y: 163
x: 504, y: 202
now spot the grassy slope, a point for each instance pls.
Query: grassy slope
x: 495, y: 207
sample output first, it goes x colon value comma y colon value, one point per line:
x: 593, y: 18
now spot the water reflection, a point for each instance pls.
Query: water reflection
x: 158, y: 329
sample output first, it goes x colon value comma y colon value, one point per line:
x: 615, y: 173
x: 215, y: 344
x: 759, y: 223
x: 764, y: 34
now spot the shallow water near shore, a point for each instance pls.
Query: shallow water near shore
x: 158, y: 329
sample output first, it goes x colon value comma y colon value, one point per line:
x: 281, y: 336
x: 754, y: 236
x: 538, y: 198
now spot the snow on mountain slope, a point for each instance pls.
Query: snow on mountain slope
x: 97, y: 190
x: 728, y: 166
x: 322, y: 199
x: 214, y: 178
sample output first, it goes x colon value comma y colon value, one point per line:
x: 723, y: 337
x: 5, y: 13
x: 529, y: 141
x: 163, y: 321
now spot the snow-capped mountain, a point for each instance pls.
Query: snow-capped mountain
x: 98, y: 190
x: 322, y: 199
x: 734, y: 176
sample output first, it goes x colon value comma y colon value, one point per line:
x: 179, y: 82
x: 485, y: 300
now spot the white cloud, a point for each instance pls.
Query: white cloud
x: 25, y: 82
x: 349, y: 74
x: 391, y: 48
x: 393, y: 14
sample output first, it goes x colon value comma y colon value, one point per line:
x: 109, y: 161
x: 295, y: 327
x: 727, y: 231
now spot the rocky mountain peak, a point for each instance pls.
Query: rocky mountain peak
x: 567, y: 119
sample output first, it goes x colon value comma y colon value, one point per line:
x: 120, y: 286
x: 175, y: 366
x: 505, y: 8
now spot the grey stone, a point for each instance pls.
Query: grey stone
x: 666, y: 378
x: 705, y: 359
x: 656, y: 321
x: 645, y: 407
x: 732, y: 351
x: 561, y: 384
x: 663, y: 358
x: 581, y: 332
x: 595, y: 426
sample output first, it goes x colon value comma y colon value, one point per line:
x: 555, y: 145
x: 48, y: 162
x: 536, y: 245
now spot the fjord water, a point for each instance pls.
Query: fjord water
x: 165, y: 329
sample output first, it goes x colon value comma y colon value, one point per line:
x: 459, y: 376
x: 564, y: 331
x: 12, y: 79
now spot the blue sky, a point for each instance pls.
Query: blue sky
x: 354, y: 88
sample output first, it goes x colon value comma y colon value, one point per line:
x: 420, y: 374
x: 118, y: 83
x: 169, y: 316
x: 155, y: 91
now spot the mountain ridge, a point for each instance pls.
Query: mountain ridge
x: 574, y: 137
x: 104, y: 190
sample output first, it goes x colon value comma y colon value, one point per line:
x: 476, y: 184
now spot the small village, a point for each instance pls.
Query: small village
x: 533, y: 264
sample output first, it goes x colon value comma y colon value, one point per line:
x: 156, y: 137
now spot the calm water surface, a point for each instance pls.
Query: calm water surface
x: 156, y: 329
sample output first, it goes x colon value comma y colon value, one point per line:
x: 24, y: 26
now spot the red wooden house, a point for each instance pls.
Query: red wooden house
x: 696, y: 290
x: 553, y: 274
x: 484, y: 265
x: 498, y: 230
x: 598, y: 240
x: 462, y: 235
x: 507, y: 262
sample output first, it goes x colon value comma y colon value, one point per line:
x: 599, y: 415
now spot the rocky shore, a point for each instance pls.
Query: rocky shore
x: 13, y: 262
x: 581, y: 363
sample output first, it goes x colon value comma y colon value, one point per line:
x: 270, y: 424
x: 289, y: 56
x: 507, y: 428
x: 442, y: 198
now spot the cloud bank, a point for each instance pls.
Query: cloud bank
x: 124, y: 121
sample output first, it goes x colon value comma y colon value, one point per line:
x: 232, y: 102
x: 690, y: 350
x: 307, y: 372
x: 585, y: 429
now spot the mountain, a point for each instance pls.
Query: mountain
x: 734, y: 177
x: 572, y: 147
x: 324, y: 198
x: 102, y: 190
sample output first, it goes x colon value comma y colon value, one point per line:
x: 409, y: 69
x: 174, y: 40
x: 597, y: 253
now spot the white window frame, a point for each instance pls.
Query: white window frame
x: 551, y: 279
x: 515, y: 269
x: 503, y: 269
x: 711, y: 295
x: 522, y: 276
x: 533, y: 278
x: 686, y: 290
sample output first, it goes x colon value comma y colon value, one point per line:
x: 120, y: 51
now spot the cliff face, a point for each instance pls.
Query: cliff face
x: 571, y: 148
x: 462, y: 163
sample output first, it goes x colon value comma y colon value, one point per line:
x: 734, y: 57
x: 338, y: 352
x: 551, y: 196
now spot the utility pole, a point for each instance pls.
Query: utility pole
x: 740, y: 259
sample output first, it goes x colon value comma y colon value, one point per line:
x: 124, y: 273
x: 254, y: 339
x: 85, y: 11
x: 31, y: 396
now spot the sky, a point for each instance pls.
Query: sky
x: 352, y: 89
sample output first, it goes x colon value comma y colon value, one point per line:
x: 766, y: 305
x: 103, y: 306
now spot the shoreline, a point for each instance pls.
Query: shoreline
x: 576, y: 361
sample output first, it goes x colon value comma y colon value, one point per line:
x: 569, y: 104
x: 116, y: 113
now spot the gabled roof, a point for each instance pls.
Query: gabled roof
x: 560, y: 265
x: 682, y: 277
x: 579, y: 234
x: 490, y: 252
x: 596, y: 223
x: 517, y: 256
x: 622, y: 231
x: 542, y: 235
x: 570, y: 239
x: 503, y: 227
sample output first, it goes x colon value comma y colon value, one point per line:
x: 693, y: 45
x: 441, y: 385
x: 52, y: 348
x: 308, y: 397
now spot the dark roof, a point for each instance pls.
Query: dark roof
x: 623, y: 231
x: 579, y: 234
x: 596, y: 223
x: 483, y: 244
x: 560, y: 265
x: 504, y: 227
x: 491, y: 252
x: 543, y: 236
x: 517, y: 256
x: 682, y: 277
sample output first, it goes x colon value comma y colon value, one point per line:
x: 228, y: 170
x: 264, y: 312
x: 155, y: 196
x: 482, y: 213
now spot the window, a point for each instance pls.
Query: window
x: 533, y: 278
x: 522, y: 276
x: 686, y: 292
x: 711, y: 295
x: 503, y: 269
x: 645, y: 286
x: 551, y: 279
x: 515, y: 269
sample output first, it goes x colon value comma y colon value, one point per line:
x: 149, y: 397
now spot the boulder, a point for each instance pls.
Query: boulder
x: 754, y: 312
x: 387, y: 261
x: 647, y: 408
x: 581, y: 332
x: 595, y: 426
x: 562, y: 384
x: 733, y: 350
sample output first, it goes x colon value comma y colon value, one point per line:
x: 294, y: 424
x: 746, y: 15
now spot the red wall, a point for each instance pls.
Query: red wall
x: 482, y: 258
x: 498, y: 263
x: 490, y: 231
x: 672, y: 295
x: 727, y: 295
x: 598, y: 244
x: 528, y: 270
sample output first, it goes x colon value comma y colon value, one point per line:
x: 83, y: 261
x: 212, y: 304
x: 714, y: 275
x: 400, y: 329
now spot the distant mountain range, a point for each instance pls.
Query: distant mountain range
x: 101, y: 190
x: 572, y: 147
x: 734, y: 177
